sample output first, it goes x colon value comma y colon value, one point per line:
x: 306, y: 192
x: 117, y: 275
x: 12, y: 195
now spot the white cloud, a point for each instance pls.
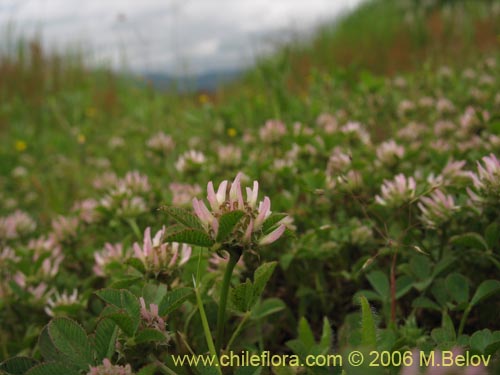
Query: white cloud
x: 166, y: 34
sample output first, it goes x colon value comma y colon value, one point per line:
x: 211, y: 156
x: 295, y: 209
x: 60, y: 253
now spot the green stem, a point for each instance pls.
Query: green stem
x: 238, y: 330
x: 464, y: 319
x: 221, y: 313
x: 206, y: 328
x: 135, y: 228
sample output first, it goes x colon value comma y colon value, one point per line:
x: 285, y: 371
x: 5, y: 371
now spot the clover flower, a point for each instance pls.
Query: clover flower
x: 110, y: 253
x: 16, y: 225
x: 436, y: 209
x: 389, y: 153
x: 397, y: 192
x: 229, y: 155
x: 338, y: 162
x: 486, y: 181
x: 272, y: 131
x: 64, y: 228
x: 249, y: 231
x: 87, y: 210
x: 61, y: 300
x: 135, y: 183
x: 43, y: 246
x: 161, y: 143
x: 183, y: 193
x: 358, y: 130
x: 150, y: 318
x: 158, y: 256
x: 190, y: 161
x: 108, y: 369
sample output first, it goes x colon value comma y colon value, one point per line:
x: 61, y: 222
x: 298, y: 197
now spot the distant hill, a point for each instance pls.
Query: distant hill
x: 203, y: 82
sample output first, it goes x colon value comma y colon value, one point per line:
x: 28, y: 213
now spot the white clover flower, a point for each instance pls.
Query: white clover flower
x: 486, y: 181
x: 436, y: 209
x: 64, y: 228
x: 151, y: 318
x: 338, y: 162
x: 60, y: 300
x: 110, y: 253
x: 190, y: 161
x: 108, y: 369
x: 229, y: 155
x: 158, y: 256
x: 397, y: 192
x: 16, y: 225
x: 272, y: 131
x: 161, y: 143
x: 183, y: 194
x: 229, y: 198
x: 355, y: 128
x: 389, y: 153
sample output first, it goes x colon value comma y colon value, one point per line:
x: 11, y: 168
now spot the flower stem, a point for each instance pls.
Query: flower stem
x: 238, y: 330
x: 221, y: 313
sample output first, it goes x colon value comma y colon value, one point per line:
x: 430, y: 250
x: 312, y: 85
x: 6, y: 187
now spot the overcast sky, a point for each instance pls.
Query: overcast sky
x: 170, y: 36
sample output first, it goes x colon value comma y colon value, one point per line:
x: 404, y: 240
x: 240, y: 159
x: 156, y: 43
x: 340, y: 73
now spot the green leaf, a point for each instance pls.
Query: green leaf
x: 458, y: 287
x: 191, y: 237
x: 267, y: 307
x: 420, y: 267
x: 269, y: 224
x: 17, y: 365
x: 326, y: 340
x: 425, y: 303
x: 306, y: 336
x: 46, y: 346
x: 380, y: 283
x: 492, y: 235
x: 485, y: 290
x: 368, y: 331
x: 173, y: 300
x: 470, y: 240
x: 137, y: 264
x: 153, y: 293
x: 241, y: 296
x: 227, y: 223
x: 105, y: 336
x: 126, y: 282
x: 403, y: 286
x: 70, y: 339
x: 126, y: 302
x: 480, y: 340
x: 148, y: 335
x: 260, y: 279
x: 52, y: 368
x: 183, y: 216
x: 248, y: 370
x: 148, y: 370
x: 124, y: 321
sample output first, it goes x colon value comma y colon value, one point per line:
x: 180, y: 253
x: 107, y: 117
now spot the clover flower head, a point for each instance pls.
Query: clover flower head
x: 229, y: 155
x: 229, y: 197
x: 486, y: 181
x: 59, y: 300
x: 161, y: 143
x: 151, y: 318
x: 16, y: 225
x: 183, y: 193
x: 108, y: 369
x: 397, y: 192
x: 272, y: 131
x: 338, y: 162
x: 110, y: 253
x: 64, y: 228
x: 389, y: 153
x: 159, y: 256
x: 87, y: 210
x: 436, y: 209
x: 190, y: 161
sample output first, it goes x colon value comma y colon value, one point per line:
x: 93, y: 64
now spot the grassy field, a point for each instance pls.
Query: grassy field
x: 378, y: 140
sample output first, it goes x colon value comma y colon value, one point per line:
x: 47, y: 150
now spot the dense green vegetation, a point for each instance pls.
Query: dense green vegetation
x: 378, y: 143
